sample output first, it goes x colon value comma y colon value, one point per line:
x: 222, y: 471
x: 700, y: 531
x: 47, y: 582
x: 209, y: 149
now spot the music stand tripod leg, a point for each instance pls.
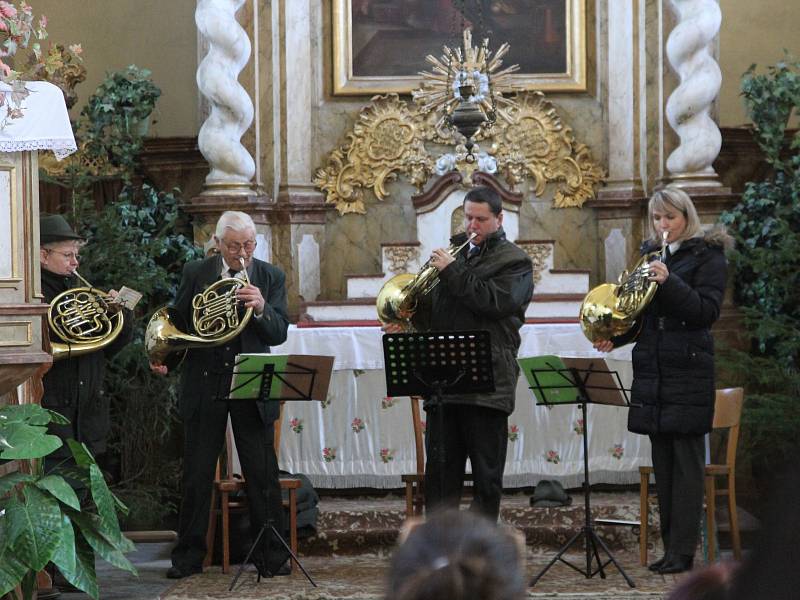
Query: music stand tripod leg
x: 268, y: 525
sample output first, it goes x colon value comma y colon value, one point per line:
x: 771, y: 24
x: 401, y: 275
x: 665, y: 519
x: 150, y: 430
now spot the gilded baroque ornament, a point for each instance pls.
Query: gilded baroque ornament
x: 400, y: 256
x: 525, y: 138
x: 539, y: 254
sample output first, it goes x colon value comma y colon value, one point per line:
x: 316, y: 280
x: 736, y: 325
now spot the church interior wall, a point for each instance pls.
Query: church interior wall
x: 162, y: 37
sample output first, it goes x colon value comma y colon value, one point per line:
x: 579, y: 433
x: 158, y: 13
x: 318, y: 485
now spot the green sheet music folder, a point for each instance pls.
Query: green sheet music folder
x: 549, y: 379
x: 246, y: 382
x: 297, y: 377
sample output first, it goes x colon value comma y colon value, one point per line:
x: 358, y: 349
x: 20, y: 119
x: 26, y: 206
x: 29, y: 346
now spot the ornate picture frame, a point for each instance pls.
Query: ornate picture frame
x: 379, y: 46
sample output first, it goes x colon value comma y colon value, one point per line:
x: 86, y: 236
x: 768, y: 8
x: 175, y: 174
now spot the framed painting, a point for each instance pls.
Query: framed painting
x: 379, y: 46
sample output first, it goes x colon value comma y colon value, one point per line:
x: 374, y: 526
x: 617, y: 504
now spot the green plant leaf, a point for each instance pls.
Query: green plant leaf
x: 23, y: 441
x: 33, y: 527
x: 32, y: 414
x: 81, y: 454
x: 104, y: 500
x: 91, y: 530
x: 7, y: 482
x: 11, y: 571
x: 59, y: 488
x: 65, y: 555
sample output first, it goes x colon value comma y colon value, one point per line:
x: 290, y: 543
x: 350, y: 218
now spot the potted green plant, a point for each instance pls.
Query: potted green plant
x: 117, y: 116
x: 42, y: 520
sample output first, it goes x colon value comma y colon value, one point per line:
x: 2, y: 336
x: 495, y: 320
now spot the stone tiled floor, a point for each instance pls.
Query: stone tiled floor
x: 360, y: 575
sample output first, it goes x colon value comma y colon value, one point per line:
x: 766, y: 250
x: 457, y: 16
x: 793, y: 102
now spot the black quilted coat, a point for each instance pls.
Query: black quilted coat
x: 673, y: 360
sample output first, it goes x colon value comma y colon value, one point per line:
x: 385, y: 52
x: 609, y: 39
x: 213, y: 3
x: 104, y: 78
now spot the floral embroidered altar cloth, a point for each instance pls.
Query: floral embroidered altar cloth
x: 359, y: 437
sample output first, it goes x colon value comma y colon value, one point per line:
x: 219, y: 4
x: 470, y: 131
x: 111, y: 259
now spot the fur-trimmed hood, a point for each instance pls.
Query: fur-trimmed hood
x: 718, y: 236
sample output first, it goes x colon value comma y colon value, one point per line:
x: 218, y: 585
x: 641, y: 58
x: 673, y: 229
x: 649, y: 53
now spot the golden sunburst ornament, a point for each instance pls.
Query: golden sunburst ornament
x: 466, y: 86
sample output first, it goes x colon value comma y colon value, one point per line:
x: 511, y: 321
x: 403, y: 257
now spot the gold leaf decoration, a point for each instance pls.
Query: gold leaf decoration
x: 535, y: 144
x: 385, y: 142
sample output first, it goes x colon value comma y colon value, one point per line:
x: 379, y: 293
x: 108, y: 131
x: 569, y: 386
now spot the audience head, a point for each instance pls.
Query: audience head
x: 458, y: 556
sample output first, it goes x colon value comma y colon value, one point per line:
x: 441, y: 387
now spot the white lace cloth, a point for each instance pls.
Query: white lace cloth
x: 44, y: 125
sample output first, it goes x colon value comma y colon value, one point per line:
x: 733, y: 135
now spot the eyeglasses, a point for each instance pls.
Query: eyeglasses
x: 248, y: 246
x: 67, y: 255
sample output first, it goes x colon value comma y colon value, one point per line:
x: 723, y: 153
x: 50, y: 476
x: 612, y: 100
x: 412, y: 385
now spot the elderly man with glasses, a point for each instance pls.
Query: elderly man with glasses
x: 73, y: 386
x: 205, y: 415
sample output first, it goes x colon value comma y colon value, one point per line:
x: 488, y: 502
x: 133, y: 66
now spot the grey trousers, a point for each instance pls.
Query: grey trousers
x: 678, y: 464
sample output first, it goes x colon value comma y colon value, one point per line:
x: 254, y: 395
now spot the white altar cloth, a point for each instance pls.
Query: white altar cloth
x: 361, y: 438
x: 44, y: 125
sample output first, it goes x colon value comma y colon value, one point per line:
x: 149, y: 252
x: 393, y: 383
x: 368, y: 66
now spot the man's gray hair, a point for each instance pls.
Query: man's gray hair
x: 236, y: 220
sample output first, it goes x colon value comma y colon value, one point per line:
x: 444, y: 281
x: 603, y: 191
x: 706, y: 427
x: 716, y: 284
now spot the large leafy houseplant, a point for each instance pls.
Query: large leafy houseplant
x: 42, y: 519
x: 766, y: 272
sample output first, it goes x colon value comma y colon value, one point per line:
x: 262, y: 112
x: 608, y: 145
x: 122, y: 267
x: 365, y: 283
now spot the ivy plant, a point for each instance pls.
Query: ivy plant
x: 113, y: 123
x: 42, y: 520
x: 766, y: 269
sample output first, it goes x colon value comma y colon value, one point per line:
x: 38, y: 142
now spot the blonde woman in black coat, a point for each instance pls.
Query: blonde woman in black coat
x: 672, y: 397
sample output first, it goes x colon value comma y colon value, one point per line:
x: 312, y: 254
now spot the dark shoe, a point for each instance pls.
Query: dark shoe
x: 181, y: 572
x: 676, y: 564
x: 657, y: 565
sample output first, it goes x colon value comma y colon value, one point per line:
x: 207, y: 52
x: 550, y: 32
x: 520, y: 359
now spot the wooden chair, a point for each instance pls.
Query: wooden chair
x: 223, y: 501
x: 727, y: 416
x: 415, y: 482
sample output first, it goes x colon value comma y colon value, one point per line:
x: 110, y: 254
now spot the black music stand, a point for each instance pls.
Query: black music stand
x: 556, y: 381
x: 433, y: 363
x: 275, y: 378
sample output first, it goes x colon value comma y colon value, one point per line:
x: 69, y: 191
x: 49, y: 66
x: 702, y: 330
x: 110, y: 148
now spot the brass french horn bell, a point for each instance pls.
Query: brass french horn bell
x: 84, y: 319
x: 610, y: 310
x: 398, y: 298
x: 215, y: 320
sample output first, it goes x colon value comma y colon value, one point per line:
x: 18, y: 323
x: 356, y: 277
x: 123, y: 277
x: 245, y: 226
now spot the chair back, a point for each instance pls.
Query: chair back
x: 728, y: 415
x: 416, y: 420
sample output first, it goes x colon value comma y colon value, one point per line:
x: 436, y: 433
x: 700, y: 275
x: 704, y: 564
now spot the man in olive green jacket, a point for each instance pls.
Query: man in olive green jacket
x: 487, y: 286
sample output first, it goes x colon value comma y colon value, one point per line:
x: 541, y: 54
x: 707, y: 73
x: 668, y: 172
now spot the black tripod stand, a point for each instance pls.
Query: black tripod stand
x: 574, y: 375
x: 433, y: 363
x: 276, y: 378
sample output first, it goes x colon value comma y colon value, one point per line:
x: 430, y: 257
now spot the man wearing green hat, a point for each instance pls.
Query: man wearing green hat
x: 73, y: 386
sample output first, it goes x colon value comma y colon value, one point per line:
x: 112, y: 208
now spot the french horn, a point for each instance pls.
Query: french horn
x: 398, y: 298
x: 84, y: 319
x: 215, y: 320
x: 610, y: 309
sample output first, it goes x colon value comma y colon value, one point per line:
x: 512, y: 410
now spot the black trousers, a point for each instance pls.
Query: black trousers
x: 204, y: 436
x: 475, y: 432
x: 678, y: 464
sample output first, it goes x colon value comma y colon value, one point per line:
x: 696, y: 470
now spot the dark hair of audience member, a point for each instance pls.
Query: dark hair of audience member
x: 457, y: 556
x: 707, y: 583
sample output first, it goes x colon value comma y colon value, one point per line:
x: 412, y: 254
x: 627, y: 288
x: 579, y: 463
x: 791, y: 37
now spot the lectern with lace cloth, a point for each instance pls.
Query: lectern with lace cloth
x: 555, y: 381
x: 275, y: 378
x: 435, y: 363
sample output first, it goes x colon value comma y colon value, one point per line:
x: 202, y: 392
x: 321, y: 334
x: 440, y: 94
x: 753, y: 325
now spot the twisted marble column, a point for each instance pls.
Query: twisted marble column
x: 689, y: 50
x: 232, y: 167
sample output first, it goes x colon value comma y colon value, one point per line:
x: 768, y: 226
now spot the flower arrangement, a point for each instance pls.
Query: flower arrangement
x: 387, y: 454
x: 23, y: 59
x: 618, y: 451
x: 296, y: 425
x: 552, y: 456
x: 329, y: 454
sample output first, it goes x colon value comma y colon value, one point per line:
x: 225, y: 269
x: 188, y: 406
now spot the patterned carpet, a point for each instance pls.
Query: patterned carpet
x: 362, y: 578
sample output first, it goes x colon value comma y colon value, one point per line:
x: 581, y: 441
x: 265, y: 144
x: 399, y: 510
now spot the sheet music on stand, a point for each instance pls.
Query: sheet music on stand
x: 275, y: 378
x: 554, y: 380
